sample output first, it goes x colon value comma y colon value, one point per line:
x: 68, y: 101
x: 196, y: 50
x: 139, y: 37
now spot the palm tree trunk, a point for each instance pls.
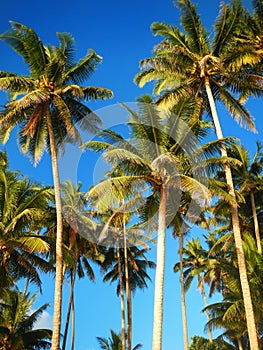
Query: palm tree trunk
x: 123, y: 328
x: 202, y: 289
x: 59, y: 257
x: 184, y: 318
x: 128, y: 290
x: 73, y: 278
x: 159, y: 275
x: 67, y: 321
x: 250, y: 317
x: 255, y: 218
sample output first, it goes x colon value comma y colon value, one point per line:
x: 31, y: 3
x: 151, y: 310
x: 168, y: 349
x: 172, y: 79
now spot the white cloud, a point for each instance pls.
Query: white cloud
x: 44, y: 321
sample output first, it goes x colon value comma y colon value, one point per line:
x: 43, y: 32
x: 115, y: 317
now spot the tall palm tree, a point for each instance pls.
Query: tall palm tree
x: 114, y: 271
x: 50, y: 106
x: 78, y: 249
x: 229, y: 314
x: 23, y: 206
x: 18, y: 321
x: 248, y: 179
x: 180, y: 228
x: 194, y: 264
x: 78, y: 226
x: 149, y: 161
x: 191, y: 63
x: 122, y: 257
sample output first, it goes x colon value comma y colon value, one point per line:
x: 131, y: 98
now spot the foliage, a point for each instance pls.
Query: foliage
x: 200, y: 343
x: 18, y: 321
x: 114, y: 342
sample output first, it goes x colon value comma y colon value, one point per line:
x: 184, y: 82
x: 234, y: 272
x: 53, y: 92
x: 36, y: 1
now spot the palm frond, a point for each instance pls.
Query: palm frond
x: 26, y: 43
x: 84, y: 69
x: 193, y: 26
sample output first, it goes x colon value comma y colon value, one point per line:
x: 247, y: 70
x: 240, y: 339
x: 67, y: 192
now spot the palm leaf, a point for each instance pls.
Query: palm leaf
x: 84, y: 69
x: 27, y: 44
x: 193, y: 26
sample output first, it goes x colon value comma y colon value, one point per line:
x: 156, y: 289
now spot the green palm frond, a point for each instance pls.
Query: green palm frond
x: 227, y: 26
x: 105, y: 191
x: 33, y: 244
x: 170, y: 98
x: 62, y: 111
x: 258, y: 11
x: 174, y: 35
x: 26, y: 43
x: 66, y: 48
x: 190, y: 20
x: 34, y: 147
x: 95, y: 93
x: 15, y: 83
x: 239, y: 112
x: 83, y: 116
x: 84, y: 68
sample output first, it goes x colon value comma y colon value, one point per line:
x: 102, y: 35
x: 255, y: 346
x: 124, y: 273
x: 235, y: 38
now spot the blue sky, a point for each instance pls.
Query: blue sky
x: 120, y: 32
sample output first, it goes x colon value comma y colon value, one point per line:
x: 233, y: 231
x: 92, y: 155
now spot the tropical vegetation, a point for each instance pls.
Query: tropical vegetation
x: 170, y: 176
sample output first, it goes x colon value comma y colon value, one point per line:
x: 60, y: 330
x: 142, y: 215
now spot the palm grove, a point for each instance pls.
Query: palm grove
x: 166, y: 178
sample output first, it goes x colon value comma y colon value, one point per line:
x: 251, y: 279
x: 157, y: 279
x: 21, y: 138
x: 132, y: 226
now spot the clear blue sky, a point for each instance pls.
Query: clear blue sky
x: 120, y: 32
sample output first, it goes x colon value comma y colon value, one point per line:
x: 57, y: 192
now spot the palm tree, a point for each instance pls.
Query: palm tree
x: 78, y: 226
x: 113, y: 343
x: 250, y: 41
x: 122, y: 257
x: 23, y: 207
x: 249, y: 181
x: 114, y: 271
x: 149, y: 159
x: 194, y: 264
x: 191, y: 63
x: 18, y: 321
x: 78, y: 250
x: 229, y: 314
x: 50, y: 106
x: 180, y: 229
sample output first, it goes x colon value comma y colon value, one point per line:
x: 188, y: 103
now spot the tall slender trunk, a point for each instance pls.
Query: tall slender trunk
x: 71, y: 296
x: 123, y: 328
x: 73, y: 278
x: 128, y: 290
x: 65, y: 335
x: 159, y: 275
x: 59, y: 258
x: 184, y: 318
x: 202, y: 289
x: 250, y: 317
x: 256, y: 226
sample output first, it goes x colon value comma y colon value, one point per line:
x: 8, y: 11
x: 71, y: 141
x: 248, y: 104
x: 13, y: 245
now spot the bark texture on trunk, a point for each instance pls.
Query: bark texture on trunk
x: 159, y: 275
x: 59, y: 236
x: 249, y: 311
